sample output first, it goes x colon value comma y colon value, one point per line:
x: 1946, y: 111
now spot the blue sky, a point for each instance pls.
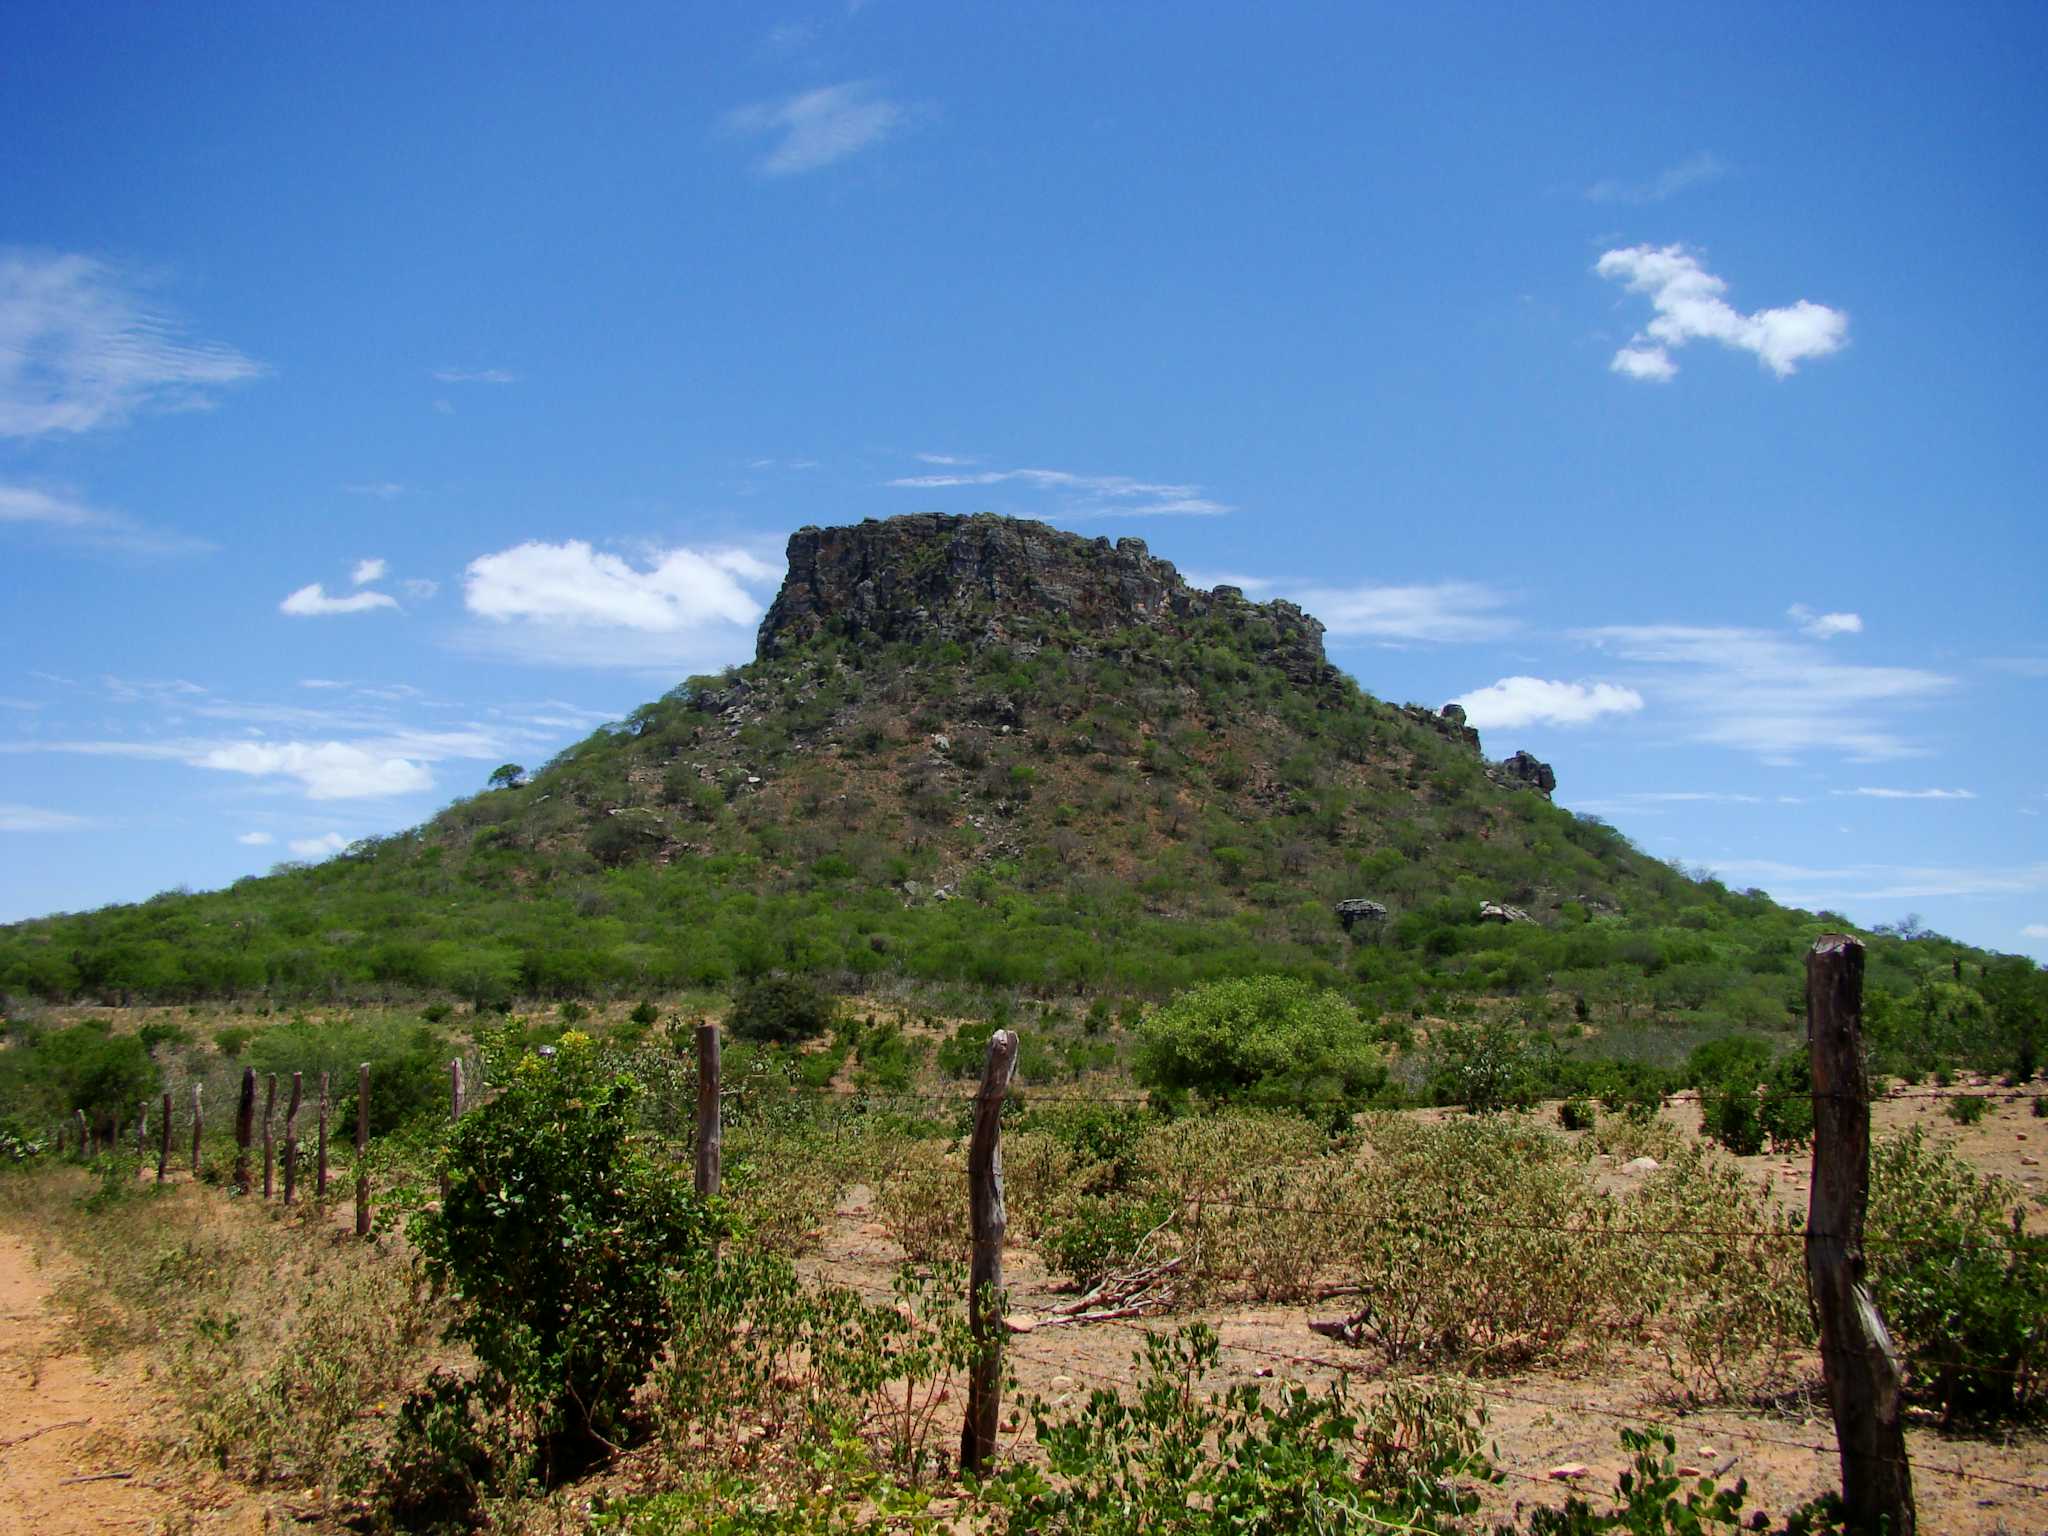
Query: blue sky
x: 390, y: 392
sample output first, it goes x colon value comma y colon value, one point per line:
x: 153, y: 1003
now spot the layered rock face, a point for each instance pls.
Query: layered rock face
x: 973, y: 579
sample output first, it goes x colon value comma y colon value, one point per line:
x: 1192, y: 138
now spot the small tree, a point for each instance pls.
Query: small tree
x: 556, y: 1236
x: 507, y: 776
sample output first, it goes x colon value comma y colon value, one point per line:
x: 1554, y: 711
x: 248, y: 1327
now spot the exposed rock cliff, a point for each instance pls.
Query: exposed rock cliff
x: 986, y: 579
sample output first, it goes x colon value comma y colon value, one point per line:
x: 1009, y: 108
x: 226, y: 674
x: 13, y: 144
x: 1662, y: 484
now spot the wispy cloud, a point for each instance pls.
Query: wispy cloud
x: 1908, y: 794
x: 1085, y: 495
x: 816, y: 128
x: 367, y: 571
x: 1771, y: 694
x: 1650, y: 802
x: 476, y: 376
x: 80, y: 348
x: 63, y: 516
x: 2035, y: 931
x: 1439, y: 612
x: 1694, y: 170
x: 1824, y: 626
x: 32, y: 818
x: 311, y: 601
x: 317, y: 847
x: 1520, y: 701
x: 1808, y: 885
x: 948, y: 459
x: 382, y: 490
x: 1690, y: 307
x: 575, y: 605
x: 254, y: 839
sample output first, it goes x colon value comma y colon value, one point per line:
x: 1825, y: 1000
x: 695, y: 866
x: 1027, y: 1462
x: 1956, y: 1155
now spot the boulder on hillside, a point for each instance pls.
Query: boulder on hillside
x: 1358, y: 910
x: 1523, y: 771
x: 1499, y: 912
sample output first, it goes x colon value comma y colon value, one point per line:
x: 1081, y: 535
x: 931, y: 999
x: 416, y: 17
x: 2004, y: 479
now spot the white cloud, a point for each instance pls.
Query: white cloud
x: 1446, y: 611
x: 1651, y: 363
x: 327, y: 770
x: 30, y: 818
x: 476, y: 376
x: 317, y: 847
x: 1909, y: 794
x: 367, y: 571
x: 2035, y: 931
x: 1669, y: 182
x: 572, y: 604
x: 1690, y: 307
x: 954, y: 459
x: 312, y: 601
x: 1770, y: 694
x: 815, y: 128
x: 79, y: 349
x: 255, y: 839
x: 1824, y: 626
x: 383, y: 490
x: 420, y: 587
x: 1519, y: 701
x: 1089, y: 495
x: 65, y: 517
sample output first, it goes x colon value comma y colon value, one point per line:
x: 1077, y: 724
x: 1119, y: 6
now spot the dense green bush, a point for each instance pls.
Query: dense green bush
x: 556, y: 1238
x: 1961, y: 1282
x: 780, y: 1009
x: 1263, y: 1040
x: 50, y: 1075
x: 408, y: 1064
x: 1751, y: 1098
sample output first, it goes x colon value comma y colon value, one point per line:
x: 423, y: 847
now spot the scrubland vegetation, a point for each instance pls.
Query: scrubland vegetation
x: 572, y: 1323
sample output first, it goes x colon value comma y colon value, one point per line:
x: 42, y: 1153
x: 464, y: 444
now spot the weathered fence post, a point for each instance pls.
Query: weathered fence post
x: 142, y: 1132
x: 198, y: 1124
x: 291, y: 1143
x: 269, y: 1134
x: 245, y: 1130
x: 1865, y: 1387
x: 163, y: 1143
x: 985, y: 1276
x: 320, y: 1164
x: 709, y: 1147
x: 363, y: 1150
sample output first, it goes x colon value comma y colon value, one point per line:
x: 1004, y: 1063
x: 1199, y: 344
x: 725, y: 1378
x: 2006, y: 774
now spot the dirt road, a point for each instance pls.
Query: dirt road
x: 69, y: 1461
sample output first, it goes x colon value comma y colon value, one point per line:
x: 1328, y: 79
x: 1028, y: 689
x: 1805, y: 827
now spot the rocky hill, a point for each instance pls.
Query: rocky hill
x: 982, y: 751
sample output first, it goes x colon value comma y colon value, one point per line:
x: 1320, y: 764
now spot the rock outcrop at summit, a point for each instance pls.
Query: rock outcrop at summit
x: 972, y: 579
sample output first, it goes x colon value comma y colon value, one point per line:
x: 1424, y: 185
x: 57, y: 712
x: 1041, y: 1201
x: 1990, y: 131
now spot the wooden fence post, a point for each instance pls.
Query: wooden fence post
x: 291, y: 1143
x: 985, y: 1277
x: 163, y: 1143
x: 320, y: 1164
x: 245, y: 1130
x: 269, y: 1134
x: 142, y: 1132
x: 709, y: 1136
x: 363, y: 1150
x: 1865, y: 1386
x: 198, y: 1124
